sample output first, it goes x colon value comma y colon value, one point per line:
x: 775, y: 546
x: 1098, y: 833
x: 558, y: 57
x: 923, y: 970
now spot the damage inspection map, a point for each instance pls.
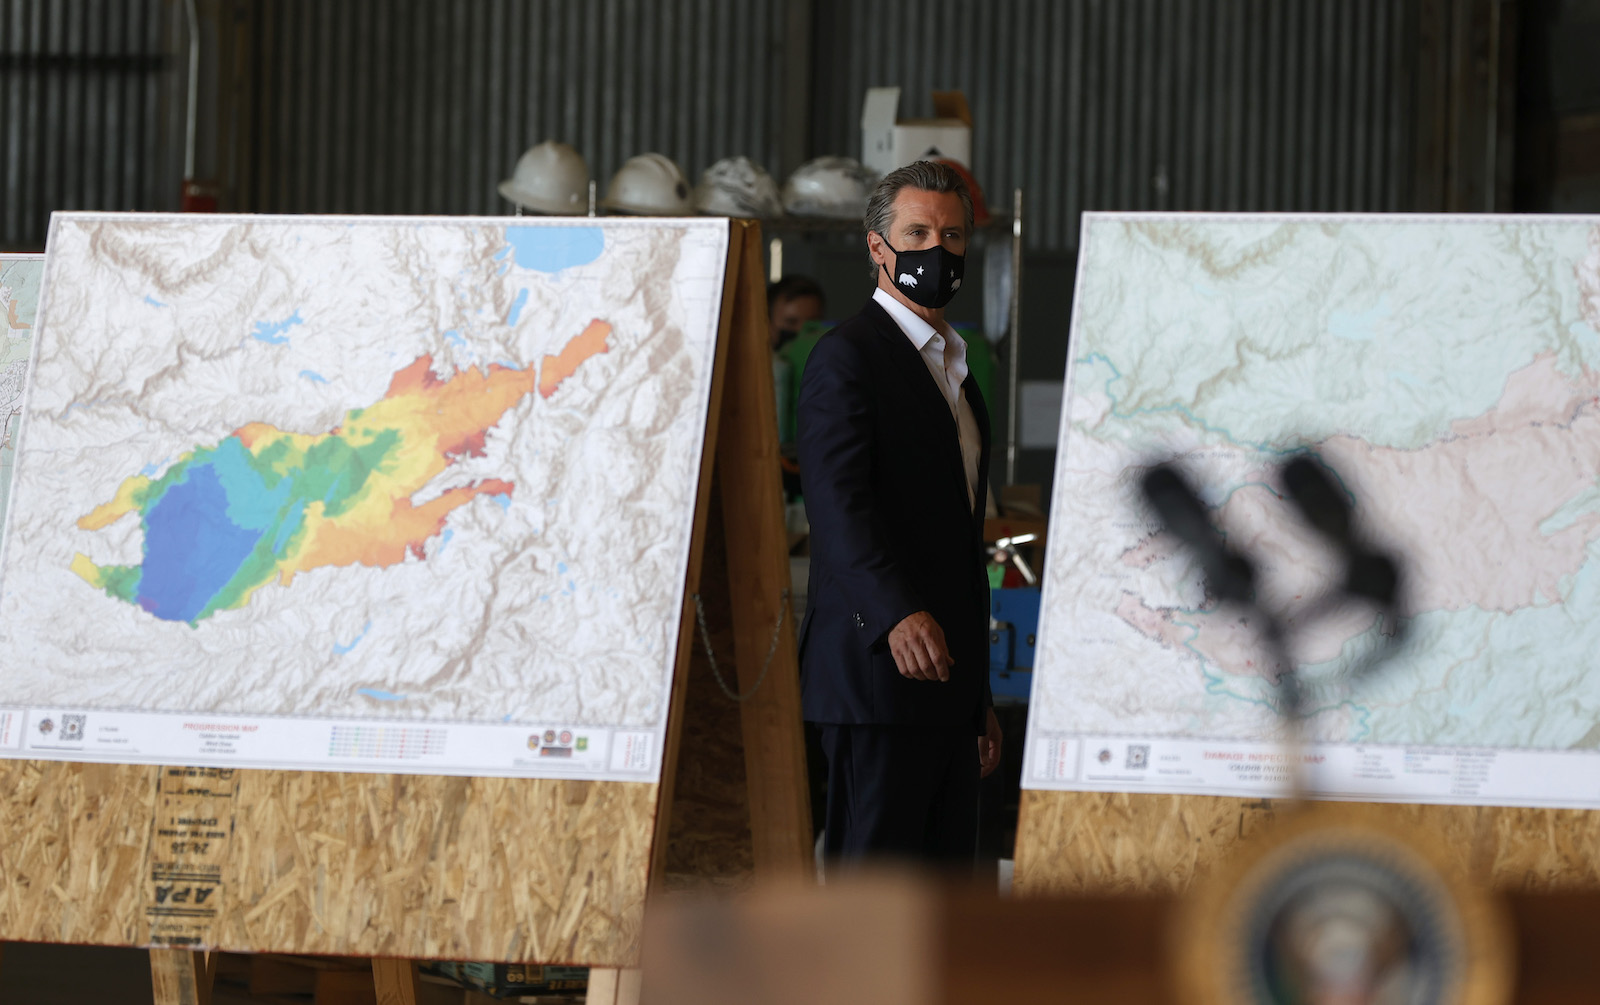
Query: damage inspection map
x: 1446, y: 372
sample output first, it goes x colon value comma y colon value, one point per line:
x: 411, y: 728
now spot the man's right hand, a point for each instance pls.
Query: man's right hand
x: 919, y: 650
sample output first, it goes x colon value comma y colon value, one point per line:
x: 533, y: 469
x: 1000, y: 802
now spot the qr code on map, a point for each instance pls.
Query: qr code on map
x: 1138, y: 755
x: 72, y: 727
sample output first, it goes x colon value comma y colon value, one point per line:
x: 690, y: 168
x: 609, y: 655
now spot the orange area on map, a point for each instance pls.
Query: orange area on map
x: 590, y: 342
x: 284, y: 502
x: 443, y: 420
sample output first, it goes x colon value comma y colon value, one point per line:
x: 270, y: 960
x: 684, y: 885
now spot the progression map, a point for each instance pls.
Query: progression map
x: 1446, y: 372
x: 358, y: 494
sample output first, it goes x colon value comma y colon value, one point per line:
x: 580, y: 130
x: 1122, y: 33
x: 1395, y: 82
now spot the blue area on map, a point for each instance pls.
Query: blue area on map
x: 313, y: 375
x: 286, y: 531
x: 152, y: 301
x: 271, y: 332
x: 154, y: 468
x: 342, y: 650
x: 381, y: 695
x: 1358, y: 327
x: 503, y: 252
x: 192, y: 547
x: 454, y: 338
x: 516, y: 307
x: 251, y: 504
x: 551, y: 249
x: 561, y: 568
x: 501, y: 500
x: 444, y: 539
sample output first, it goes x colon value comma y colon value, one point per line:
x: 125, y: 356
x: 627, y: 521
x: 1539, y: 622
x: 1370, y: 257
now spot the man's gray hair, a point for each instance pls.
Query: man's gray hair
x: 929, y: 176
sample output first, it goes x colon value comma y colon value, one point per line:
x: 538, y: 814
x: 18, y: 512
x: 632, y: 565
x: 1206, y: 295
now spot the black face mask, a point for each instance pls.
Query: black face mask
x: 928, y: 278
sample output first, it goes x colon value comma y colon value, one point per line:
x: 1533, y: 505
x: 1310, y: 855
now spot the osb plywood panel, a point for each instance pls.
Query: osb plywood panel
x: 1092, y: 842
x: 371, y: 865
x: 533, y: 870
x: 73, y: 847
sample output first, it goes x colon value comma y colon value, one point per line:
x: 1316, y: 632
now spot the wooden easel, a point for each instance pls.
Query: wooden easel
x: 326, y: 863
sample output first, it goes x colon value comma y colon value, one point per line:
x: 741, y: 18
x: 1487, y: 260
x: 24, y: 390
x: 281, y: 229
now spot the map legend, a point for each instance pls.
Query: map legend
x: 390, y: 743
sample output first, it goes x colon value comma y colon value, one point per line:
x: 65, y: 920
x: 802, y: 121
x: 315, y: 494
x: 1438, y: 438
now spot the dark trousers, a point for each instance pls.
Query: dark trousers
x: 902, y: 792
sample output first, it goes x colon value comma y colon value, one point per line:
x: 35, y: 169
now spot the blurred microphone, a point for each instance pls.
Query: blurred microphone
x: 1229, y: 575
x: 1323, y: 504
x: 1319, y: 500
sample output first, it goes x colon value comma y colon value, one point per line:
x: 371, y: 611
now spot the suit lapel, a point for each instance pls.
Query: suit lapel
x: 931, y: 399
x: 915, y: 370
x: 980, y: 414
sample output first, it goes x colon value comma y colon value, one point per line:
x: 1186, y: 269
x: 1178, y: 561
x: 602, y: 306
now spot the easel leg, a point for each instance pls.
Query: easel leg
x: 180, y: 977
x: 395, y: 981
x: 613, y: 987
x: 758, y: 576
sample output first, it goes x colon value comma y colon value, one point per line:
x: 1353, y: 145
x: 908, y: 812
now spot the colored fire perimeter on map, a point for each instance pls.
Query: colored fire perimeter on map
x: 265, y: 504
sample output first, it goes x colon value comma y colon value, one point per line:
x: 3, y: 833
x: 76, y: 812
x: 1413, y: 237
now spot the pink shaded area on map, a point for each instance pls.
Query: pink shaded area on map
x: 1469, y: 507
x: 1522, y: 460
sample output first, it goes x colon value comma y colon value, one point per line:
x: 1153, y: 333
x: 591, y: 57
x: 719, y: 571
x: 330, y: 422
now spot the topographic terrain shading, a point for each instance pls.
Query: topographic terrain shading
x: 19, y: 302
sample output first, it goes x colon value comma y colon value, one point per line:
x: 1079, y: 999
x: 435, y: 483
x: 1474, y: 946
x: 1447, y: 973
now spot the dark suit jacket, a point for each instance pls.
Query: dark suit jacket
x: 891, y: 530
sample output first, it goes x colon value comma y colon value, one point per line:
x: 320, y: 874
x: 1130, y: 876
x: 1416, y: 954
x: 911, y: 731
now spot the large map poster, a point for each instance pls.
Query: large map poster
x: 358, y: 493
x: 1446, y: 371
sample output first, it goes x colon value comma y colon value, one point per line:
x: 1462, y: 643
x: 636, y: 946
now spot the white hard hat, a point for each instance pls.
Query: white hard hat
x: 737, y: 186
x: 650, y: 185
x: 836, y: 187
x: 550, y: 178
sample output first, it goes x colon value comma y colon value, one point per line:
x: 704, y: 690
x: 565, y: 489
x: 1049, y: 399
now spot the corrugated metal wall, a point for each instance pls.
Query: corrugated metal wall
x: 422, y: 106
x: 1143, y: 104
x: 83, y: 112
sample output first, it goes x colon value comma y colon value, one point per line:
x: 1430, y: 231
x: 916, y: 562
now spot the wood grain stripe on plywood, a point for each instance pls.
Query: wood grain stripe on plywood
x: 1122, y: 843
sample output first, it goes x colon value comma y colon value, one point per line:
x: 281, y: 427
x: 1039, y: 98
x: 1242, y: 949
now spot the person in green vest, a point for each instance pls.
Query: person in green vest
x: 793, y: 302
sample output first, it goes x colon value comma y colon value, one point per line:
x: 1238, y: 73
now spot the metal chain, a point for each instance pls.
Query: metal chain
x: 772, y: 647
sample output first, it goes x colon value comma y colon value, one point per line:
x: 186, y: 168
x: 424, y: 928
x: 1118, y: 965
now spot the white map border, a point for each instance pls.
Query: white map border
x: 476, y: 749
x: 1060, y: 760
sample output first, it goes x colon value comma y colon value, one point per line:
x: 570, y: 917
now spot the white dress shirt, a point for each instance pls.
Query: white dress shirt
x: 946, y: 357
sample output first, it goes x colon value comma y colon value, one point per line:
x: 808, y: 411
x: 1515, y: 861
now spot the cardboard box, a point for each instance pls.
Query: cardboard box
x: 888, y: 142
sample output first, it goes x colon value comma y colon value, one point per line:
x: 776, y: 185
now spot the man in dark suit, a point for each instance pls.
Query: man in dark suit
x: 894, y: 453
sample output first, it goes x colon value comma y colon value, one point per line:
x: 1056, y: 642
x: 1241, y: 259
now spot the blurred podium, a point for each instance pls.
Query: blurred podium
x: 902, y: 939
